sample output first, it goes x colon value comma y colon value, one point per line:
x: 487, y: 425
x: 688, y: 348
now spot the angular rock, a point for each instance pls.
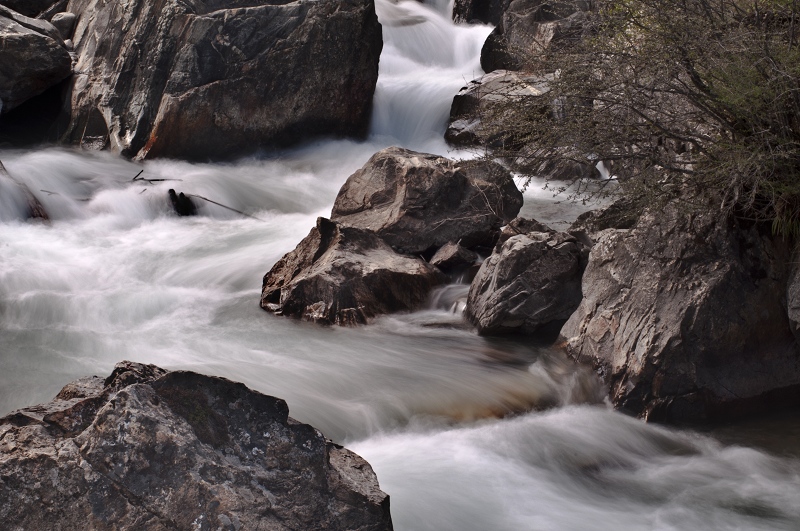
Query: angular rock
x: 32, y: 58
x: 214, y: 80
x: 418, y: 202
x: 531, y: 282
x: 484, y: 11
x: 528, y: 29
x: 344, y: 275
x: 476, y: 114
x: 684, y: 317
x: 452, y: 257
x: 148, y: 449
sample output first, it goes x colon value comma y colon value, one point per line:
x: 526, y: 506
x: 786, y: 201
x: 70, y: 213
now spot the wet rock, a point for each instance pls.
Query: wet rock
x: 214, y: 80
x: 452, y: 257
x: 684, y: 317
x: 150, y: 449
x: 18, y: 197
x: 532, y: 282
x: 32, y: 58
x: 418, y: 202
x: 182, y: 205
x: 528, y: 29
x: 344, y: 275
x: 483, y: 11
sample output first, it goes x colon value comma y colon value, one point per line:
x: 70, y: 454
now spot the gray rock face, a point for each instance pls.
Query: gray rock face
x: 476, y: 114
x: 793, y: 300
x: 528, y: 29
x: 32, y: 58
x: 147, y: 449
x: 343, y: 275
x: 417, y: 202
x: 684, y: 318
x: 531, y: 281
x: 453, y: 257
x: 205, y: 79
x: 64, y: 23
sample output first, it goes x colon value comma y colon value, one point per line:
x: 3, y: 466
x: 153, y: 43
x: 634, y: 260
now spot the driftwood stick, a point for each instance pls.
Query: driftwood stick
x: 151, y: 181
x: 224, y: 206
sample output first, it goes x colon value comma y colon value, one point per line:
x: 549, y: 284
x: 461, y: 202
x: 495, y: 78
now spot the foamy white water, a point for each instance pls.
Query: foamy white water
x: 116, y: 275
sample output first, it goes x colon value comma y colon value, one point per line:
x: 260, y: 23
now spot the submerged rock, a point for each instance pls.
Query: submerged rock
x: 210, y: 80
x: 32, y: 58
x: 684, y: 317
x: 531, y: 282
x: 151, y: 449
x: 344, y: 275
x: 181, y: 204
x: 15, y: 195
x: 418, y: 202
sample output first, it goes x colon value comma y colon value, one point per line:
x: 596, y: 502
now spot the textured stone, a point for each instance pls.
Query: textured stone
x: 32, y: 58
x: 204, y: 79
x: 343, y: 275
x: 684, y: 317
x: 418, y: 202
x: 148, y: 449
x: 532, y: 281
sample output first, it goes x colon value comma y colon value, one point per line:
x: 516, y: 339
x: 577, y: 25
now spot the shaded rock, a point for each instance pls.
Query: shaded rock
x: 453, y: 257
x: 684, y: 318
x: 793, y: 300
x: 531, y: 282
x: 28, y: 8
x: 484, y: 11
x: 182, y: 205
x: 344, y: 275
x: 622, y: 214
x: 64, y: 23
x: 177, y: 450
x: 418, y: 202
x: 520, y: 226
x: 570, y: 164
x: 528, y: 29
x: 478, y: 110
x: 212, y: 80
x: 32, y: 58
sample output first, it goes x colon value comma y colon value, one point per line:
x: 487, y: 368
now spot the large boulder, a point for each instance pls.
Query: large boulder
x: 206, y: 79
x: 528, y: 29
x: 531, y: 283
x: 28, y: 8
x: 344, y: 275
x: 684, y: 317
x: 32, y: 58
x: 151, y: 449
x: 418, y: 202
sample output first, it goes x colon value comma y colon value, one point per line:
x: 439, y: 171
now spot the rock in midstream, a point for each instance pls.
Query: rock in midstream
x: 344, y: 275
x: 418, y: 202
x: 151, y: 449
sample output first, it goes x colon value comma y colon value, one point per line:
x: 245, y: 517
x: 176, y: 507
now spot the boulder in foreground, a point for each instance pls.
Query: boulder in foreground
x: 685, y: 318
x: 344, y: 275
x: 151, y: 449
x: 418, y: 202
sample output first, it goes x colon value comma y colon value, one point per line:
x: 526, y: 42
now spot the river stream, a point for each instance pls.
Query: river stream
x: 464, y: 432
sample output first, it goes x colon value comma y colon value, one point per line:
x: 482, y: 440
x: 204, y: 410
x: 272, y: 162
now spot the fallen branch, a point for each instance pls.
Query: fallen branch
x: 224, y: 206
x: 151, y: 181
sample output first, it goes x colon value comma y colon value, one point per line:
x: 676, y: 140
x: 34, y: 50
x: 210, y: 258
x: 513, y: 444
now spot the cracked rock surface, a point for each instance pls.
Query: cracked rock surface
x: 685, y: 317
x: 151, y: 449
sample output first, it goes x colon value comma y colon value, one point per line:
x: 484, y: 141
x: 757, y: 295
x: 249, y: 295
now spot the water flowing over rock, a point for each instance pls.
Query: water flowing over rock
x: 528, y: 29
x: 418, y: 202
x: 208, y: 80
x: 151, y: 449
x: 344, y: 275
x: 685, y: 318
x: 32, y: 58
x: 530, y: 282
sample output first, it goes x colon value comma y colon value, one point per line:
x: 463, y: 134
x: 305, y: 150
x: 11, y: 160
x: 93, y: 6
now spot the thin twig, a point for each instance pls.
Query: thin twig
x: 223, y: 206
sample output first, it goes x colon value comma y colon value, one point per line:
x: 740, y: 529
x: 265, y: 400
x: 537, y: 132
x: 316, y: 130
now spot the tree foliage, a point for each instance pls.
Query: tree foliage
x: 675, y: 97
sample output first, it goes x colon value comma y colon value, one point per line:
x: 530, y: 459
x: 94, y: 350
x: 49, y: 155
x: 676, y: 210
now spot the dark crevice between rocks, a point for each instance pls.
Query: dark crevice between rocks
x: 40, y: 120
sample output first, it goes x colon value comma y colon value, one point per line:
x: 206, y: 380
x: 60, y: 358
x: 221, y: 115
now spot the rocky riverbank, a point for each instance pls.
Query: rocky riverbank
x: 146, y: 448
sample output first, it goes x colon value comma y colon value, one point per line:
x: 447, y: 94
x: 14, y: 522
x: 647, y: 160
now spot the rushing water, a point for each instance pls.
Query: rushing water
x: 465, y: 433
